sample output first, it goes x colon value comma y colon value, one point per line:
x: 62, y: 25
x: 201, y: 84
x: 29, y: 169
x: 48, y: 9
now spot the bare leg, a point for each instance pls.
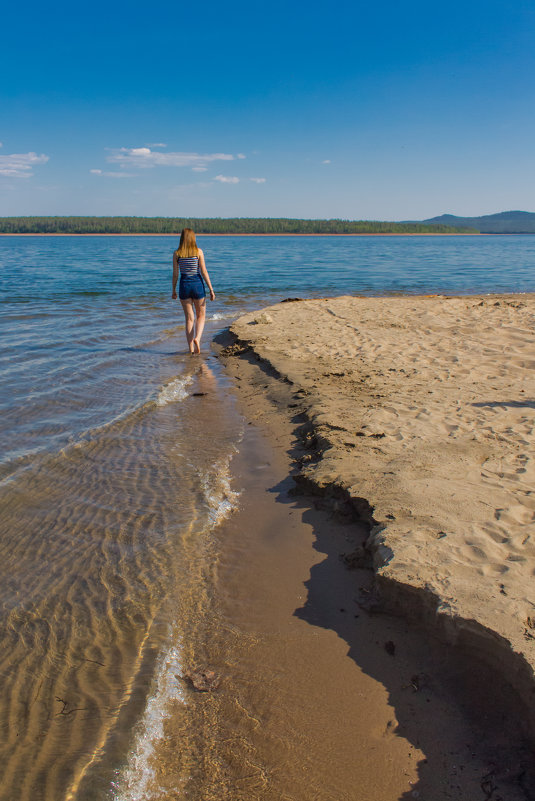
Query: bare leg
x: 187, y: 305
x: 200, y: 308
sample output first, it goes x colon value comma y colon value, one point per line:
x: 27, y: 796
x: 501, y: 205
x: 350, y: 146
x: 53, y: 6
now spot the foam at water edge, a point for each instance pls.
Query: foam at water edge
x: 137, y: 781
x: 174, y: 391
x: 221, y: 499
x: 221, y: 315
x: 134, y: 783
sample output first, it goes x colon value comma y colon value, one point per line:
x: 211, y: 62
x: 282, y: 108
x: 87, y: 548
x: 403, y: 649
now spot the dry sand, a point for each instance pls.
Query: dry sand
x: 420, y: 417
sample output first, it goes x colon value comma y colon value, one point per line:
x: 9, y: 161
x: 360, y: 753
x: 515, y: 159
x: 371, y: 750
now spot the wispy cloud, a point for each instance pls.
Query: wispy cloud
x: 143, y: 157
x: 258, y: 180
x: 181, y: 190
x: 106, y: 174
x: 156, y: 144
x: 19, y: 165
x: 326, y: 161
x: 227, y: 179
x: 241, y: 156
x: 199, y: 169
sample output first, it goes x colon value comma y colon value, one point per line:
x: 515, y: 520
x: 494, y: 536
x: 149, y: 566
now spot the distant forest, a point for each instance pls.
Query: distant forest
x: 217, y: 225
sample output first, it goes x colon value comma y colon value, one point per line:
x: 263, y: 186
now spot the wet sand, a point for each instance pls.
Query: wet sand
x: 319, y: 697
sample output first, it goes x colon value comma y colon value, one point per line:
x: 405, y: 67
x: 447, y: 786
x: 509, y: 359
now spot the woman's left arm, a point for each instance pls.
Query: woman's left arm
x: 175, y: 274
x: 204, y: 273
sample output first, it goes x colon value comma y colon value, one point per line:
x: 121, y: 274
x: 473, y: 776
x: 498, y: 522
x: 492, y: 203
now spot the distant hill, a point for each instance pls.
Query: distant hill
x: 506, y: 222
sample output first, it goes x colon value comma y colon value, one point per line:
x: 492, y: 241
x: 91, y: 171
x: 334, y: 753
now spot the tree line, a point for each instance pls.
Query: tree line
x: 214, y: 225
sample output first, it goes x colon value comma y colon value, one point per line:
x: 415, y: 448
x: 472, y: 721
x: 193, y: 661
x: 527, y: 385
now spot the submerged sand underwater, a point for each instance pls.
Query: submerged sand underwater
x: 103, y: 551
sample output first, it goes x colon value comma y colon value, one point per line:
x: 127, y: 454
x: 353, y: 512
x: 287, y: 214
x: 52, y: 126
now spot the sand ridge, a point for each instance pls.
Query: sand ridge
x: 425, y: 408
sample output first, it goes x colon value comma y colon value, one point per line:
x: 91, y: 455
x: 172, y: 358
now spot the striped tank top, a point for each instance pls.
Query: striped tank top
x: 189, y: 266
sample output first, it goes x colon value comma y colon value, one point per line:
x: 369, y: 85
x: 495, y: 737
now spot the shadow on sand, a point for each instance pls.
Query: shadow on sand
x: 448, y: 703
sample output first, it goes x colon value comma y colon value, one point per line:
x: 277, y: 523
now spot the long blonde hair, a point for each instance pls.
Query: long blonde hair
x: 188, y: 245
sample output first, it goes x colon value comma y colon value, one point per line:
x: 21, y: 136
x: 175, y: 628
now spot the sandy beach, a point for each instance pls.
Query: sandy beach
x: 416, y: 417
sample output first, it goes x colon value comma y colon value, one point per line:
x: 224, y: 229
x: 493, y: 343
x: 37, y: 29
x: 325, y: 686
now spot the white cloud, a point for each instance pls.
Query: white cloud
x: 227, y: 179
x: 157, y: 144
x: 143, y: 157
x: 326, y: 161
x: 199, y: 169
x: 258, y: 180
x: 19, y: 165
x: 241, y: 156
x: 112, y: 174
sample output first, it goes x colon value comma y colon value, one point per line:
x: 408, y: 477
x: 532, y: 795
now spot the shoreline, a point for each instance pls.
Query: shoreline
x: 476, y: 233
x: 448, y: 538
x: 317, y: 668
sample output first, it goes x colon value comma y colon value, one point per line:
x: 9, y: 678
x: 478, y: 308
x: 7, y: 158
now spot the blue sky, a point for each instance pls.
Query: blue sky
x: 362, y: 111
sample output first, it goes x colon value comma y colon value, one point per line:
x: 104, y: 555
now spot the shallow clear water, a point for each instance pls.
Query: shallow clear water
x: 113, y: 473
x: 88, y: 331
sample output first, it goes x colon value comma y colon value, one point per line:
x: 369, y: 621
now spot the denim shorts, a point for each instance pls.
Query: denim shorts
x: 191, y: 288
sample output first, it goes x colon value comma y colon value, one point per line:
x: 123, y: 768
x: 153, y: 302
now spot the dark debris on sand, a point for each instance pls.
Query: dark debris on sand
x: 203, y: 681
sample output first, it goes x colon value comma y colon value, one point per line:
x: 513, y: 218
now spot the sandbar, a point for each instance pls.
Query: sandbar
x: 418, y: 415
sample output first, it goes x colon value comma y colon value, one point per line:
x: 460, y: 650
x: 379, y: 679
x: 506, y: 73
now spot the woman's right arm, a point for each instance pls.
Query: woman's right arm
x: 175, y: 274
x: 204, y: 273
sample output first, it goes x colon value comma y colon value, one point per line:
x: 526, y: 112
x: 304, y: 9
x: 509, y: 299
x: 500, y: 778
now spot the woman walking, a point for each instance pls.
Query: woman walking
x: 188, y: 261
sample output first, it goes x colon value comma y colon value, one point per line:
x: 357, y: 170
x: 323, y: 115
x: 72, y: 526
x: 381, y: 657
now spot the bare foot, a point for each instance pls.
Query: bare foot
x: 196, y: 346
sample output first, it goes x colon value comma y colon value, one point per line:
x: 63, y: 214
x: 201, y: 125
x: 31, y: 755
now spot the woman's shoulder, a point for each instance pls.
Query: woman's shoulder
x: 176, y: 254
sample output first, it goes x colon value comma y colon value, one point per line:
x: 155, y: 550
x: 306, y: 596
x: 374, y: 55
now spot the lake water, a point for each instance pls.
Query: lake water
x: 113, y: 475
